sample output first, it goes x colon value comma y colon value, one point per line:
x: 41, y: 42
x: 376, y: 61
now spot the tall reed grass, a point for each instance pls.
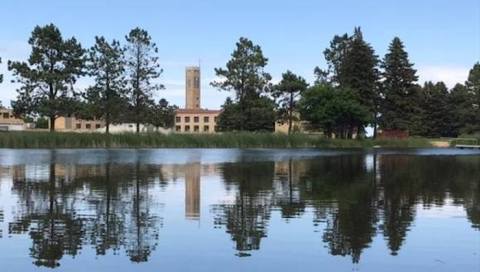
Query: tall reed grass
x: 224, y: 140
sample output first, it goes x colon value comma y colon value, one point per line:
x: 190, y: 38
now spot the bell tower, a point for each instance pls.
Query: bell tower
x: 192, y: 87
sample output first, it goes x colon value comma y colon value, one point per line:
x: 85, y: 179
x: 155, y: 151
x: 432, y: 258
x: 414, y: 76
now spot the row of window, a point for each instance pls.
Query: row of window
x: 87, y: 126
x: 195, y: 128
x: 6, y: 115
x: 196, y: 119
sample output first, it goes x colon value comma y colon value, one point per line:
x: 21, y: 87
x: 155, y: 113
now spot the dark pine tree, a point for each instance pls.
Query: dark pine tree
x: 143, y: 69
x: 287, y: 92
x: 436, y: 117
x: 106, y: 98
x: 398, y: 106
x: 473, y: 85
x: 359, y: 73
x: 244, y: 74
x: 47, y: 78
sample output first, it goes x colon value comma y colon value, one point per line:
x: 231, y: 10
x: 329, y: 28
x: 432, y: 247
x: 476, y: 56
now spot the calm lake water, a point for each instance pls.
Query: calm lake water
x: 239, y: 210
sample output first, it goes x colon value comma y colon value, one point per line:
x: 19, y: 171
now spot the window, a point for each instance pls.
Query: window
x: 6, y: 115
x: 197, y: 82
x: 178, y: 119
x: 196, y: 119
x: 215, y: 119
x: 178, y: 128
x: 187, y: 128
x: 130, y: 126
x: 79, y: 126
x: 88, y: 126
x: 206, y: 119
x: 196, y: 128
x: 97, y: 125
x: 205, y: 128
x: 216, y: 128
x: 187, y: 119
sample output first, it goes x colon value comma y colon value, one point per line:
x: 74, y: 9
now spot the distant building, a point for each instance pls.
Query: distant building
x: 66, y: 124
x: 297, y: 125
x: 194, y: 119
x: 8, y: 122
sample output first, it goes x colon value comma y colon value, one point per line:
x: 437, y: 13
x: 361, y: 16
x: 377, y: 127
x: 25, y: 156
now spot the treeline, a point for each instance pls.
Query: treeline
x: 357, y: 90
x: 124, y: 79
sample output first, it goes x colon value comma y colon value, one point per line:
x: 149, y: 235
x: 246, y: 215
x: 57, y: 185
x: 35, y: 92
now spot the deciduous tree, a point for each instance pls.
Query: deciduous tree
x: 162, y: 114
x: 332, y: 109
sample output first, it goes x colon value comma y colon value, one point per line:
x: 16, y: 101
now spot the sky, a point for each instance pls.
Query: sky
x: 442, y: 37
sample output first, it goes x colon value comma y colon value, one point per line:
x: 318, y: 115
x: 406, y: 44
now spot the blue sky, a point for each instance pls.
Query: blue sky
x: 441, y: 36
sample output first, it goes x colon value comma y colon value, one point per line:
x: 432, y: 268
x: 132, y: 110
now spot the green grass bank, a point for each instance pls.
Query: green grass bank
x: 225, y: 140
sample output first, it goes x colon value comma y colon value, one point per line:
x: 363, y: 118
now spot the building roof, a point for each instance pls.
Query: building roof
x: 198, y: 111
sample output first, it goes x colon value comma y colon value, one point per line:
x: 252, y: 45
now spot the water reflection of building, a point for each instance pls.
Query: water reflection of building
x: 192, y: 191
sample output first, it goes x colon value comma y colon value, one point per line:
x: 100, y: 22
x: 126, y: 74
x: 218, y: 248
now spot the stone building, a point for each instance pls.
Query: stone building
x: 194, y: 119
x: 8, y: 122
x: 65, y: 124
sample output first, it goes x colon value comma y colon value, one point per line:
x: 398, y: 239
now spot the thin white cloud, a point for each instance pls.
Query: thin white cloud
x: 451, y: 75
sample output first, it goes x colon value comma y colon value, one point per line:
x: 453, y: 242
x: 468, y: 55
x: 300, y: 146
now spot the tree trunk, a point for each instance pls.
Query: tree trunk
x: 138, y: 127
x: 52, y: 123
x: 107, y: 123
x: 290, y: 114
x: 107, y: 117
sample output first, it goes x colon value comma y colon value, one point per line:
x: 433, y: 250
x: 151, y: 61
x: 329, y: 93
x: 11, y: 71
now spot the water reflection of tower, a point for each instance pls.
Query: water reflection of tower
x: 192, y: 191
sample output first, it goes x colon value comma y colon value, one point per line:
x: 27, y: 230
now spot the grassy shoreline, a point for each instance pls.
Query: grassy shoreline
x: 225, y: 140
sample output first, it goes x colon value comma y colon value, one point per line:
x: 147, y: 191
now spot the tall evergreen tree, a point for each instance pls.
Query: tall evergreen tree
x: 352, y: 64
x: 398, y: 88
x: 473, y: 85
x: 473, y: 81
x: 143, y: 69
x: 335, y: 57
x: 462, y: 110
x: 47, y: 78
x: 436, y: 118
x: 359, y: 73
x: 107, y: 66
x: 244, y: 74
x: 287, y: 92
x: 1, y: 76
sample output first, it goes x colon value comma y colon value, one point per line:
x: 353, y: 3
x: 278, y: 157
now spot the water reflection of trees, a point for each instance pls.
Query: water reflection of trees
x: 352, y: 201
x: 105, y: 206
x: 112, y: 207
x: 246, y: 219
